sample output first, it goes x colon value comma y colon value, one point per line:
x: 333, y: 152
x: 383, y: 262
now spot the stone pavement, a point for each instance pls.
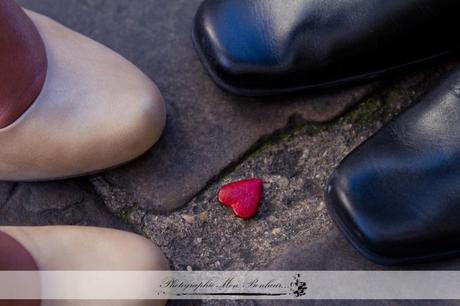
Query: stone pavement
x: 207, y: 130
x: 213, y: 138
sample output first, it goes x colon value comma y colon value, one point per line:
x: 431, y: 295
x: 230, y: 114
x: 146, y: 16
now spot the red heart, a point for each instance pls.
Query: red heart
x: 242, y: 196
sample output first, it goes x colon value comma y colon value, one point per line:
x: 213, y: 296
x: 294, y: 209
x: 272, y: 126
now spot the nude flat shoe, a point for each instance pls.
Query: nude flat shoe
x: 95, y: 111
x: 72, y: 248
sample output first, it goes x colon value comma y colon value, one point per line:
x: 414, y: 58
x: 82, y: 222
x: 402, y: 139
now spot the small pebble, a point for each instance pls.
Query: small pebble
x: 189, y: 219
x: 204, y: 216
x: 321, y: 206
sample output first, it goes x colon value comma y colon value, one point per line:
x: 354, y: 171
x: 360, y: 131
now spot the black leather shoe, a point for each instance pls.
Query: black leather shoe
x: 397, y: 197
x: 264, y: 47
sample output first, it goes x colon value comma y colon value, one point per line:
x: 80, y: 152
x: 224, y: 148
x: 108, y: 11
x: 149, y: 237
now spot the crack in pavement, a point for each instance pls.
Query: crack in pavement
x: 11, y: 192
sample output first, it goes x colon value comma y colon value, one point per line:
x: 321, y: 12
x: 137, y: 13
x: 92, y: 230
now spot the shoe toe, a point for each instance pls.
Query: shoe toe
x: 235, y: 43
x: 88, y: 248
x: 72, y: 248
x: 96, y: 111
x: 396, y: 206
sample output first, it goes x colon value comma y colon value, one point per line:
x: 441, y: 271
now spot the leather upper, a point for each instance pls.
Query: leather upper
x: 261, y: 47
x: 397, y: 197
x: 96, y: 111
x: 23, y: 62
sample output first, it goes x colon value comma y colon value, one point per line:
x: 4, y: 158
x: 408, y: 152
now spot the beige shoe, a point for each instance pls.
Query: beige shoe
x: 69, y: 248
x: 95, y: 111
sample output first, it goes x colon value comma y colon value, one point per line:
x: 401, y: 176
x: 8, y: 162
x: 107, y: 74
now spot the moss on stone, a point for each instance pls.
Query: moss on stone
x: 364, y: 111
x: 124, y: 215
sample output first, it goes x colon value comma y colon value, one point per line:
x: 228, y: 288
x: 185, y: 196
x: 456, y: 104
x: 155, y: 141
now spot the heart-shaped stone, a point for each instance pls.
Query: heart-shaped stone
x: 242, y: 196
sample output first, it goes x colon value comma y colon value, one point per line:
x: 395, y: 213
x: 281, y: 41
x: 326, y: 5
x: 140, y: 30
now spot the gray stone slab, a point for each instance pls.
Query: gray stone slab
x: 331, y: 252
x: 207, y: 129
x: 294, y: 167
x: 58, y: 203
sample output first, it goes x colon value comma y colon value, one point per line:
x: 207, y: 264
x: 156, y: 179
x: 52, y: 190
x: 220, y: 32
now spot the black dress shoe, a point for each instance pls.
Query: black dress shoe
x: 263, y: 47
x: 397, y: 197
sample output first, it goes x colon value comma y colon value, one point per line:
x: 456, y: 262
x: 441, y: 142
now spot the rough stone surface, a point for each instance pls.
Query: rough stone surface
x: 56, y: 203
x: 294, y: 166
x: 317, y: 256
x: 212, y: 139
x: 292, y: 222
x: 207, y: 129
x: 332, y: 252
